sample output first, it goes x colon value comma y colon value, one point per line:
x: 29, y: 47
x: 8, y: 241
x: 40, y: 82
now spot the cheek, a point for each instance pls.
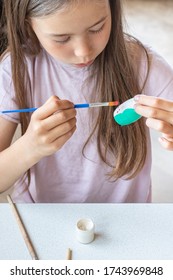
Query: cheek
x: 55, y: 49
x: 60, y: 51
x: 103, y: 40
x: 107, y: 32
x: 104, y: 37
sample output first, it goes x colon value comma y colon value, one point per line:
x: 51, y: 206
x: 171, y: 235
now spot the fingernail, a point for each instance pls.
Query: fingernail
x: 136, y: 97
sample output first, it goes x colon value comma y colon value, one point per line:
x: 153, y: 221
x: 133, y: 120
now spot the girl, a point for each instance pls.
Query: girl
x: 61, y: 52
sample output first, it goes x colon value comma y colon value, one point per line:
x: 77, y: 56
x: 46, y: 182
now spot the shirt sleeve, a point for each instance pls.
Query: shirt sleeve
x: 7, y: 93
x: 160, y: 79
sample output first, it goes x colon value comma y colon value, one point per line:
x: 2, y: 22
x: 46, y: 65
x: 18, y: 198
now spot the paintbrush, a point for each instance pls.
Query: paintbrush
x: 22, y: 229
x: 76, y: 106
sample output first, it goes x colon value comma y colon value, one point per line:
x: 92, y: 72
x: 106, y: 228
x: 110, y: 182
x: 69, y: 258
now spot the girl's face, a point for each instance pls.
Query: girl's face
x: 78, y: 35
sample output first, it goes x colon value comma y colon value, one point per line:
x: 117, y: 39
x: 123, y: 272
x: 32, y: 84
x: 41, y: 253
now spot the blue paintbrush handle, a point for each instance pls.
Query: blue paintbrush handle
x: 27, y: 110
x: 76, y: 106
x: 19, y: 111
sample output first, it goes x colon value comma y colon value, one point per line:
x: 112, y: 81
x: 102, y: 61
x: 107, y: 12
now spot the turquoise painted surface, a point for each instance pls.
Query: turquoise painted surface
x: 127, y: 117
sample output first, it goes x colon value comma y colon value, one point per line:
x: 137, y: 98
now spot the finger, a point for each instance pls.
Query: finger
x: 154, y: 113
x: 61, y: 130
x: 154, y: 102
x: 167, y: 136
x: 168, y: 145
x: 60, y: 141
x: 52, y: 106
x: 158, y: 125
x: 59, y: 118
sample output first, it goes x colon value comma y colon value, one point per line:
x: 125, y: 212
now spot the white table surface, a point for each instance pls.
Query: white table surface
x: 122, y: 231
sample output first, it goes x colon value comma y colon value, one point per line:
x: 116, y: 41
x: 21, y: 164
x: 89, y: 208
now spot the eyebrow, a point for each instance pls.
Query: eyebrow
x: 59, y: 35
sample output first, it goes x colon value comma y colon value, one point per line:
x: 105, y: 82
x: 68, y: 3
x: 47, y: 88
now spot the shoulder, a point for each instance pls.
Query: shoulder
x: 142, y: 55
x: 158, y: 66
x: 5, y: 69
x: 5, y: 61
x: 151, y: 69
x: 30, y: 60
x: 159, y: 63
x: 160, y: 76
x: 36, y: 66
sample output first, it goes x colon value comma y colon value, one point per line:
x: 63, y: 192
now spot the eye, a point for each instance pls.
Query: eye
x: 97, y: 30
x: 62, y: 41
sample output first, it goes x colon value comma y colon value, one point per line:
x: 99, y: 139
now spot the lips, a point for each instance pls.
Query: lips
x: 84, y: 64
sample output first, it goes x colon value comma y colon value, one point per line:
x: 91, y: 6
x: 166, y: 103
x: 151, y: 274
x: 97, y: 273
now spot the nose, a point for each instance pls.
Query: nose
x: 83, y: 50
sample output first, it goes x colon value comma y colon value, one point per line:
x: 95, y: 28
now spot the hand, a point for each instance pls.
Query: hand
x: 159, y: 114
x: 50, y: 128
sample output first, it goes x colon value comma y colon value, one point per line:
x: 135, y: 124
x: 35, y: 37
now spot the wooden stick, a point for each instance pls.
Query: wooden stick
x: 69, y: 254
x: 22, y: 229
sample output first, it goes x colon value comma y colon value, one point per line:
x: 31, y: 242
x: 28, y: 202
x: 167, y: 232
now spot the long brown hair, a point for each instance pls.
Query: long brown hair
x: 3, y: 37
x: 115, y: 72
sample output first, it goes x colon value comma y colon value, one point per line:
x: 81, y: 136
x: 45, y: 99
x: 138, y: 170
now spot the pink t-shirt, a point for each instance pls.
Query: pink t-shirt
x: 68, y: 176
